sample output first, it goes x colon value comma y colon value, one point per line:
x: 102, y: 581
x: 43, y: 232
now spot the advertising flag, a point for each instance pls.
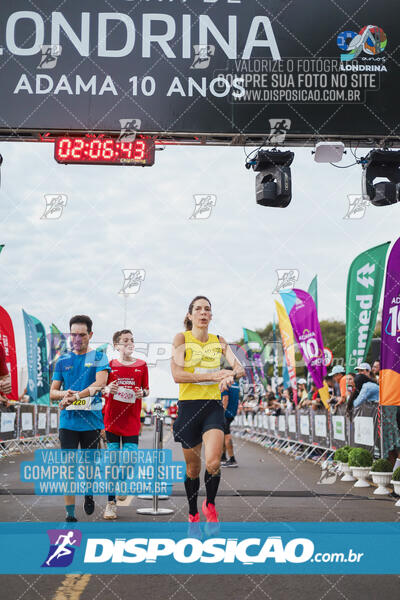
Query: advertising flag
x: 303, y: 316
x: 255, y: 346
x: 8, y: 341
x: 32, y: 356
x: 58, y: 345
x: 42, y: 378
x: 364, y: 286
x: 285, y: 373
x: 288, y: 346
x: 389, y: 376
x: 313, y: 291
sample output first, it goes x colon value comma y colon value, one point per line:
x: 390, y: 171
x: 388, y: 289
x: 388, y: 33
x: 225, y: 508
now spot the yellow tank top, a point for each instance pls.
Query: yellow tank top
x: 201, y: 357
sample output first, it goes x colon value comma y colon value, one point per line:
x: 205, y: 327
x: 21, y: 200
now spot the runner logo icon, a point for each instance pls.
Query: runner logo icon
x: 63, y: 543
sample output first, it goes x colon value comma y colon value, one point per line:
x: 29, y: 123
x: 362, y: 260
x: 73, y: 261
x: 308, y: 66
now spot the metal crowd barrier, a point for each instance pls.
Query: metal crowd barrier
x: 302, y: 431
x: 25, y: 427
x: 158, y: 445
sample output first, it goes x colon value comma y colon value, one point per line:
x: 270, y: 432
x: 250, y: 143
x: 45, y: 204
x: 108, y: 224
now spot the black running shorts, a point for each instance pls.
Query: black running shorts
x: 195, y: 417
x: 227, y: 428
x: 71, y: 439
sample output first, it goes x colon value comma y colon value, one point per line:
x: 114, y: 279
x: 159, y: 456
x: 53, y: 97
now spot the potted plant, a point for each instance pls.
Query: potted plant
x: 342, y: 457
x: 396, y: 483
x: 381, y: 473
x: 360, y: 461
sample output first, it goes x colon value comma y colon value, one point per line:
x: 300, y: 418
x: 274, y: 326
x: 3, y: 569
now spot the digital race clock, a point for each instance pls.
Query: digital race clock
x: 104, y: 151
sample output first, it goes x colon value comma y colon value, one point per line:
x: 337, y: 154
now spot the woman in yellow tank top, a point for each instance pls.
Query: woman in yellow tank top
x: 195, y: 365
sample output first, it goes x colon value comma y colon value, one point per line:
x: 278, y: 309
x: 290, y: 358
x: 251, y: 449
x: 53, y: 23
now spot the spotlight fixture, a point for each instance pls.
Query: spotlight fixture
x: 329, y: 152
x: 273, y: 181
x: 382, y: 164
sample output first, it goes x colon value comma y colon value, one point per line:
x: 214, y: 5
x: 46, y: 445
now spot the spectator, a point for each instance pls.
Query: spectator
x: 302, y: 394
x: 369, y: 394
x: 316, y: 401
x: 376, y: 367
x: 350, y: 384
x: 339, y: 385
x: 368, y: 390
x: 364, y: 369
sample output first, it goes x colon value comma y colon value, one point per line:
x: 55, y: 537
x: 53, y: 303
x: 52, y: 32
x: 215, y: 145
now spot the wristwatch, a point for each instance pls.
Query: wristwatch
x: 77, y: 396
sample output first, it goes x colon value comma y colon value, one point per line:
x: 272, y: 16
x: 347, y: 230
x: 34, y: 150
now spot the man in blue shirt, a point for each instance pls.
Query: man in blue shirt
x: 230, y: 400
x: 81, y: 374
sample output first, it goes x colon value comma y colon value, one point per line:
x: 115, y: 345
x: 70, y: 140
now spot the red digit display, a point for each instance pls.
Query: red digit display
x: 104, y: 151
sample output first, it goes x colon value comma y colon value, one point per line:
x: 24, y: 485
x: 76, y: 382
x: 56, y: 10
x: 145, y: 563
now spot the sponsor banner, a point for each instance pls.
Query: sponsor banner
x: 43, y: 380
x: 364, y: 286
x: 8, y: 341
x: 8, y: 424
x: 286, y: 331
x: 313, y: 290
x: 173, y: 548
x: 338, y: 428
x: 32, y: 356
x: 389, y: 376
x: 58, y: 345
x: 304, y: 319
x: 200, y: 66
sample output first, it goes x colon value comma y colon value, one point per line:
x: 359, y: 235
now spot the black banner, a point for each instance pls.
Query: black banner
x: 244, y: 70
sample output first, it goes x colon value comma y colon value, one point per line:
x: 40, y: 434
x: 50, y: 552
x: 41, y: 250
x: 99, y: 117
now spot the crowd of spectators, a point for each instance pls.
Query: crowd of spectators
x: 348, y: 391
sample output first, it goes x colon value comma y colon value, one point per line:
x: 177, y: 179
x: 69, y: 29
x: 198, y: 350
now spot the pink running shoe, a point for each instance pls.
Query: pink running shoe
x: 209, y: 512
x: 194, y: 518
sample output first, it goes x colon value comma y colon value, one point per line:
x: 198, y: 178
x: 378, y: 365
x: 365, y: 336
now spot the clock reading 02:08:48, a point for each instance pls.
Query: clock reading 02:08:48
x: 104, y: 151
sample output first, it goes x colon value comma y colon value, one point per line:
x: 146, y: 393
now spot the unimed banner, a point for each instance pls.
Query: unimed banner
x: 364, y: 286
x: 308, y: 68
x: 389, y: 376
x: 8, y: 341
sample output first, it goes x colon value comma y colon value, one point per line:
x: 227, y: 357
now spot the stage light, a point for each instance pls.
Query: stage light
x: 382, y: 164
x: 273, y: 182
x: 329, y: 152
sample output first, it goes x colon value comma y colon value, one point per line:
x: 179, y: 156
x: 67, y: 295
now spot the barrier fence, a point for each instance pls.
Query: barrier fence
x: 24, y: 427
x: 306, y: 429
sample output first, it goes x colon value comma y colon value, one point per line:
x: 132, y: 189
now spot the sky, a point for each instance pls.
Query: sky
x: 139, y: 218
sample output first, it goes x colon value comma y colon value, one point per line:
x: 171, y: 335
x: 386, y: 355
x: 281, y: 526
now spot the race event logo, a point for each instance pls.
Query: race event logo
x: 132, y: 280
x: 279, y: 129
x: 287, y: 279
x: 129, y: 129
x: 203, y: 205
x: 55, y: 204
x: 372, y: 40
x: 63, y: 543
x: 202, y: 56
x: 49, y: 56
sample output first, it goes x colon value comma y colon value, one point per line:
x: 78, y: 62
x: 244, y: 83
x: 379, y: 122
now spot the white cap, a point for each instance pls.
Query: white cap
x: 301, y: 380
x: 363, y: 367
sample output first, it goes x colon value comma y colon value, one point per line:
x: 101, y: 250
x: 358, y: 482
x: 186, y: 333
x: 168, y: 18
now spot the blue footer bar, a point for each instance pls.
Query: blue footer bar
x: 203, y: 548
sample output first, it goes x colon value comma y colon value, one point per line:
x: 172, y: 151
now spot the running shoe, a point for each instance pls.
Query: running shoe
x: 121, y: 498
x: 194, y: 529
x: 194, y: 518
x: 88, y: 505
x: 231, y: 463
x: 209, y: 512
x: 70, y: 519
x: 110, y: 512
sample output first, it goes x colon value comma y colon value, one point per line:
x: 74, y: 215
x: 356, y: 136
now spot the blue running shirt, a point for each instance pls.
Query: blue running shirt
x: 77, y: 372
